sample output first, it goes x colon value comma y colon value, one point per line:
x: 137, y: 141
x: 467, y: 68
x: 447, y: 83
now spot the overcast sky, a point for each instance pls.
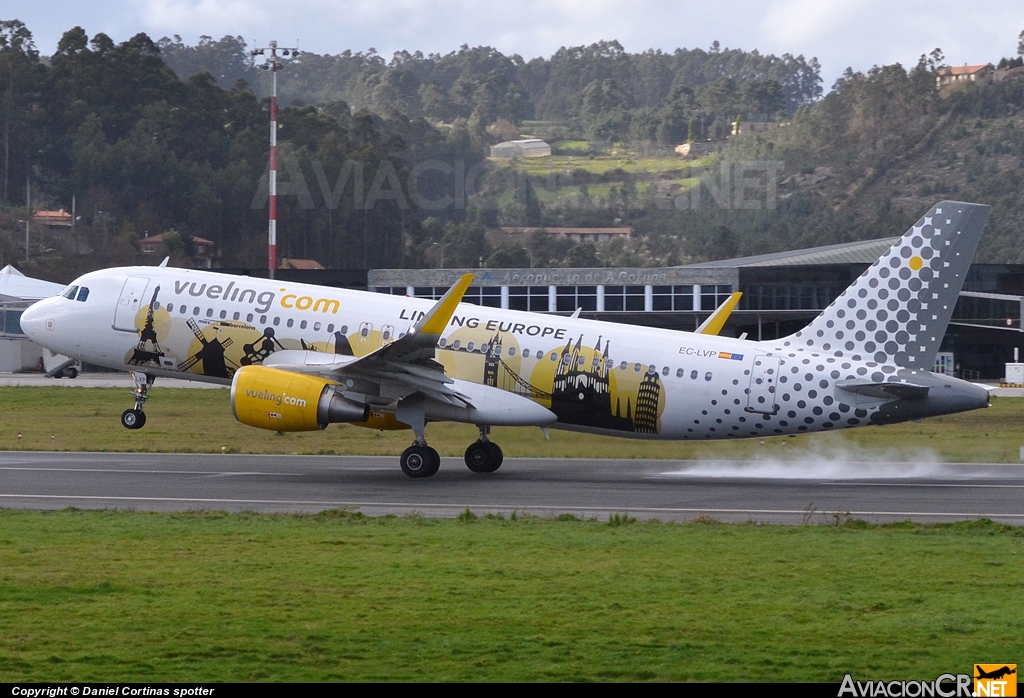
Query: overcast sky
x: 840, y: 33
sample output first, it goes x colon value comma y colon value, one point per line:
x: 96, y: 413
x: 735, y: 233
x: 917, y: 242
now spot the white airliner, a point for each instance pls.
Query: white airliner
x: 299, y: 357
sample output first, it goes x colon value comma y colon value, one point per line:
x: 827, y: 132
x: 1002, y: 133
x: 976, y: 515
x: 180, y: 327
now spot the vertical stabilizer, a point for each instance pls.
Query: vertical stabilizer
x: 898, y: 310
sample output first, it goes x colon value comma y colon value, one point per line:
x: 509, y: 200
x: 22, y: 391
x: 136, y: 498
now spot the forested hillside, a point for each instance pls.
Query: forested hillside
x: 603, y: 90
x: 881, y: 147
x: 384, y: 162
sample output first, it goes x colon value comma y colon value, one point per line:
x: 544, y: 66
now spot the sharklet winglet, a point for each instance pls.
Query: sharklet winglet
x: 716, y: 321
x: 436, y: 319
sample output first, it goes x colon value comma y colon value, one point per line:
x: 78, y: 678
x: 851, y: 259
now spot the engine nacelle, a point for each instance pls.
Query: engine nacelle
x: 269, y: 398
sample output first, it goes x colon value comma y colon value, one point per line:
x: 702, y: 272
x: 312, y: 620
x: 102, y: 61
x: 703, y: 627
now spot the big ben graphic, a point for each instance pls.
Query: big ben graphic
x: 581, y: 390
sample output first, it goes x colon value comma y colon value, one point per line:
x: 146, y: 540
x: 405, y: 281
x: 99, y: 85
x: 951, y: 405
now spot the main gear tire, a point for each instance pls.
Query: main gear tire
x: 483, y: 457
x: 420, y: 461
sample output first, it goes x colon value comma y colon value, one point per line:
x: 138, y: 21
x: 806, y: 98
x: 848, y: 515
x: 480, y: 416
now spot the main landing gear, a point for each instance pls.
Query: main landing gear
x: 484, y: 456
x: 136, y: 418
x: 420, y: 460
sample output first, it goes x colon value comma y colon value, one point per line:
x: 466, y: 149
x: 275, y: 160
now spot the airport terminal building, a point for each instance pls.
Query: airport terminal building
x: 782, y: 292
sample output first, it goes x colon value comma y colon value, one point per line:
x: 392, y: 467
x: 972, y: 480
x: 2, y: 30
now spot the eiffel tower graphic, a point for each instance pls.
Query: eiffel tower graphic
x: 148, y: 351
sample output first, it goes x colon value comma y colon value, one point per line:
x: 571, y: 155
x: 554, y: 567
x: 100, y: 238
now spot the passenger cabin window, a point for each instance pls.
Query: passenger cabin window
x: 290, y: 322
x: 679, y: 373
x: 316, y: 326
x: 209, y: 312
x: 277, y: 321
x: 223, y: 314
x: 302, y: 325
x: 195, y: 310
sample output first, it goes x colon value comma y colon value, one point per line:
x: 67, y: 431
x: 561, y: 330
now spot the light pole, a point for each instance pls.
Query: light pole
x: 28, y: 217
x: 273, y: 65
x: 441, y: 245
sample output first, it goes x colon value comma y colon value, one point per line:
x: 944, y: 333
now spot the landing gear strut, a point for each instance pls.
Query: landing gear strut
x: 419, y: 460
x: 484, y: 456
x: 136, y: 418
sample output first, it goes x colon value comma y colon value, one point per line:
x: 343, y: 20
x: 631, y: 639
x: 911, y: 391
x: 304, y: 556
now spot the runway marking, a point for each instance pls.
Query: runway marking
x: 924, y: 484
x: 210, y: 473
x: 542, y: 507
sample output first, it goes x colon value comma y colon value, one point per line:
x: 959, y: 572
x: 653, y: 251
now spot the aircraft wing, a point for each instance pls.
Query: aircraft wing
x: 401, y: 368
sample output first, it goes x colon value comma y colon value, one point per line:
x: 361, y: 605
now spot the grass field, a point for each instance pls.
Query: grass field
x: 200, y: 421
x: 99, y: 596
x: 600, y: 164
x: 135, y: 596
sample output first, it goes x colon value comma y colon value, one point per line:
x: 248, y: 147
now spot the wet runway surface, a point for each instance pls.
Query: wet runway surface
x: 789, y: 493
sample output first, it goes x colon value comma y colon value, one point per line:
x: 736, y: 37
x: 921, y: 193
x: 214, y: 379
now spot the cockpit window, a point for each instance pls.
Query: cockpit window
x: 83, y: 294
x: 70, y: 292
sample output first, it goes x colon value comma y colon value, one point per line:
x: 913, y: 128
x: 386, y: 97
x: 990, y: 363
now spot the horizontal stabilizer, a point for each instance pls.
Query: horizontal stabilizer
x: 884, y: 391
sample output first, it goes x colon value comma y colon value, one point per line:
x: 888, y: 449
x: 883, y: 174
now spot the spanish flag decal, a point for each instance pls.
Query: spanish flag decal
x: 730, y: 355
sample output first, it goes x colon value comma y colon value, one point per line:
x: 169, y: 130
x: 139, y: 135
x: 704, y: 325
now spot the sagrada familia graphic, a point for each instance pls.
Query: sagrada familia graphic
x: 581, y: 392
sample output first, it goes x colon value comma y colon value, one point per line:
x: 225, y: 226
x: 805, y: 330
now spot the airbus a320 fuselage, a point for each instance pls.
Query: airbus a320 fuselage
x: 299, y: 357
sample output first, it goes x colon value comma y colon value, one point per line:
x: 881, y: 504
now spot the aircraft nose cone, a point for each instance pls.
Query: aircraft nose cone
x: 33, y: 321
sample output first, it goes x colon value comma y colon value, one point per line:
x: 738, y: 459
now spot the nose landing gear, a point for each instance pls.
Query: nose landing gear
x: 136, y: 418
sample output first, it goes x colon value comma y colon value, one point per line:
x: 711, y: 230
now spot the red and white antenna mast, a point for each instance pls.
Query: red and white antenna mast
x: 273, y: 65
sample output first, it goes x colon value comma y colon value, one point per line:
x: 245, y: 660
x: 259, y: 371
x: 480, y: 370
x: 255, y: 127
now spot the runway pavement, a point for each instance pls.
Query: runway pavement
x: 770, y: 492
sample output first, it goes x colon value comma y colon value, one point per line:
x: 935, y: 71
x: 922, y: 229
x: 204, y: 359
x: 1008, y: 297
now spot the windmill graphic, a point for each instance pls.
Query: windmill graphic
x: 211, y: 354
